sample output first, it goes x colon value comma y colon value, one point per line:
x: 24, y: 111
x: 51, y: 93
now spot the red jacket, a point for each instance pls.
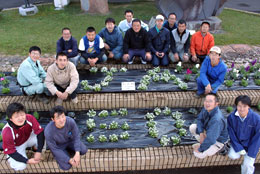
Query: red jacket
x: 201, y: 45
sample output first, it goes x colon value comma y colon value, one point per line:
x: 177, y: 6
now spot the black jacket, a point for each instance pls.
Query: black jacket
x: 159, y: 41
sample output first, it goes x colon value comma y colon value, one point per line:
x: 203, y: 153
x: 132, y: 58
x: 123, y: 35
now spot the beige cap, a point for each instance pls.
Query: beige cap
x: 159, y: 17
x: 216, y: 49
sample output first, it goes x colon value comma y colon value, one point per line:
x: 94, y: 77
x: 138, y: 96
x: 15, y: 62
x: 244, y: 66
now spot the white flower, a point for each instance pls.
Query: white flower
x: 179, y: 64
x: 197, y: 65
x: 13, y: 69
x: 237, y: 75
x: 175, y: 70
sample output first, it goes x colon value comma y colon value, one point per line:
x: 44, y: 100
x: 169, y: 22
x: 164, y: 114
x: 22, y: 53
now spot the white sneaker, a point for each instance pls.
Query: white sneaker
x: 143, y: 61
x: 131, y: 62
x: 75, y: 100
x: 58, y: 102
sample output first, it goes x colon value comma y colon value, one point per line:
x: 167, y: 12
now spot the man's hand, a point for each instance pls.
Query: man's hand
x: 110, y: 55
x: 64, y: 95
x: 148, y: 56
x: 194, y: 58
x: 72, y: 162
x: 208, y: 89
x: 37, y: 156
x: 185, y: 57
x: 69, y: 50
x: 107, y: 47
x: 126, y: 57
x: 59, y: 94
x: 92, y: 62
x: 76, y: 158
x: 202, y: 137
x: 176, y: 57
x: 32, y: 161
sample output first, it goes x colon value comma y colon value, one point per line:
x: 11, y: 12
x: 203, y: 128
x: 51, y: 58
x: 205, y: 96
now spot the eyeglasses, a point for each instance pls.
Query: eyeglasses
x: 35, y: 54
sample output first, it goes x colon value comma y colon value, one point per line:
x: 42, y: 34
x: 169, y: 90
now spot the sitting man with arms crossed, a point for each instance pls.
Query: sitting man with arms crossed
x: 62, y: 79
x: 210, y: 130
x: 21, y: 131
x: 62, y: 134
x: 244, y: 133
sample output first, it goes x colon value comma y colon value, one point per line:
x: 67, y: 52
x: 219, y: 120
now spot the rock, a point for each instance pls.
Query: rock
x: 94, y: 6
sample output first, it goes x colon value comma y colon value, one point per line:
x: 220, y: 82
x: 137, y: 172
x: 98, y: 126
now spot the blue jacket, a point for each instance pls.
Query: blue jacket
x: 215, y: 126
x: 30, y: 73
x: 96, y: 43
x: 212, y: 75
x: 166, y: 25
x: 245, y: 135
x: 114, y: 39
x: 64, y: 46
x: 160, y: 41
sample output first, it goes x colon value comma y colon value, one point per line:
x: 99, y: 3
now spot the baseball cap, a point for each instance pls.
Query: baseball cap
x: 215, y: 49
x: 159, y: 17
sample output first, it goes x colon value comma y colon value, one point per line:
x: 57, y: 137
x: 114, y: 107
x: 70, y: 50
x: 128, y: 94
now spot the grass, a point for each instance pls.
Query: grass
x: 43, y: 29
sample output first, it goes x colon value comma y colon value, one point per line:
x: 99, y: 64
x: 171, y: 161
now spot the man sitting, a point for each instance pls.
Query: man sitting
x: 212, y: 73
x: 92, y: 48
x: 160, y: 41
x: 20, y: 132
x: 62, y: 79
x: 244, y: 133
x: 68, y: 45
x: 62, y: 134
x: 30, y: 75
x: 136, y: 43
x: 125, y: 24
x: 170, y: 24
x: 210, y: 130
x: 113, y: 39
x: 201, y: 42
x: 180, y: 43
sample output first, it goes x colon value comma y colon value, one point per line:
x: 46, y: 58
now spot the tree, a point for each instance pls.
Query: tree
x: 95, y: 6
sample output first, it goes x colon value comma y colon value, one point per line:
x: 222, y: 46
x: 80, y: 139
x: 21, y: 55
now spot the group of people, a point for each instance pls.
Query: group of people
x: 213, y: 131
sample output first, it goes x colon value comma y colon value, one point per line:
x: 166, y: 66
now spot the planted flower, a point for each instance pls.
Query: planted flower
x: 167, y: 111
x: 6, y: 90
x: 153, y: 132
x: 104, y: 83
x: 257, y: 75
x: 179, y: 123
x: 113, y: 70
x: 103, y: 126
x: 123, y: 112
x: 109, y: 73
x: 258, y: 106
x: 108, y: 78
x: 88, y: 87
x: 175, y: 140
x: 156, y: 78
x: 145, y: 82
x: 113, y: 138
x: 104, y: 69
x: 149, y: 116
x: 157, y: 69
x: 178, y: 68
x: 4, y: 81
x: 165, y: 78
x: 229, y: 83
x: 2, y: 75
x: 14, y: 73
x: 177, y: 81
x: 146, y: 77
x: 151, y: 72
x: 229, y: 109
x: 92, y: 113
x: 172, y: 77
x: 124, y: 135
x: 93, y: 69
x: 114, y: 113
x: 36, y: 115
x: 193, y: 111
x: 102, y: 138
x: 195, y: 69
x: 244, y: 83
x: 123, y: 69
x: 125, y: 126
x: 177, y: 115
x: 97, y: 87
x: 2, y: 125
x: 142, y: 87
x: 183, y: 86
x: 113, y: 125
x: 257, y: 82
x: 151, y: 123
x: 91, y: 124
x: 103, y: 113
x: 90, y: 138
x: 164, y: 141
x: 182, y: 132
x: 157, y: 111
x: 84, y: 83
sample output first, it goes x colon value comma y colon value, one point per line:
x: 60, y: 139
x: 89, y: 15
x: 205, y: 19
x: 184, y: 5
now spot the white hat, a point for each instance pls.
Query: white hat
x: 215, y: 49
x: 159, y: 17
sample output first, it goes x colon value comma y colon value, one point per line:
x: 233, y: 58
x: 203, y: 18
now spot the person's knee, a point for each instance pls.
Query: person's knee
x: 65, y: 166
x: 118, y: 56
x: 192, y: 128
x: 104, y: 58
x: 83, y: 60
x: 83, y: 149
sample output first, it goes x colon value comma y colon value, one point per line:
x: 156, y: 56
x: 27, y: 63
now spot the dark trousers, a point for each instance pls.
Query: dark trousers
x: 201, y: 57
x: 136, y: 52
x: 156, y: 61
x: 72, y: 95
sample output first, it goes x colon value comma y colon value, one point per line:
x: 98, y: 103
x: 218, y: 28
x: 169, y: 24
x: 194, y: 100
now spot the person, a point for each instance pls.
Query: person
x: 62, y: 79
x: 113, y: 39
x: 212, y: 73
x: 68, y: 45
x: 126, y: 24
x: 170, y: 24
x: 92, y: 48
x: 63, y: 136
x: 20, y: 132
x: 180, y: 43
x: 244, y: 133
x: 31, y: 75
x: 136, y: 43
x: 201, y: 43
x: 160, y: 41
x: 210, y: 130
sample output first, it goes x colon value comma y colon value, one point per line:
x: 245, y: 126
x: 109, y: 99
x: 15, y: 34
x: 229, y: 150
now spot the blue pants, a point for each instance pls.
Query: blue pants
x: 100, y: 60
x: 136, y: 52
x: 201, y: 87
x: 118, y: 54
x: 64, y: 149
x: 156, y: 61
x: 74, y: 60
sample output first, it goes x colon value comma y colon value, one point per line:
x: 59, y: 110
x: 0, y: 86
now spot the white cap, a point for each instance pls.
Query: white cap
x: 159, y: 17
x: 215, y: 49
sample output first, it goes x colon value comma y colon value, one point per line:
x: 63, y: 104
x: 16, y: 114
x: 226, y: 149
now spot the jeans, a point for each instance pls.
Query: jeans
x: 136, y: 52
x: 180, y: 53
x: 247, y: 166
x: 201, y: 87
x: 156, y: 61
x: 101, y: 59
x: 75, y: 60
